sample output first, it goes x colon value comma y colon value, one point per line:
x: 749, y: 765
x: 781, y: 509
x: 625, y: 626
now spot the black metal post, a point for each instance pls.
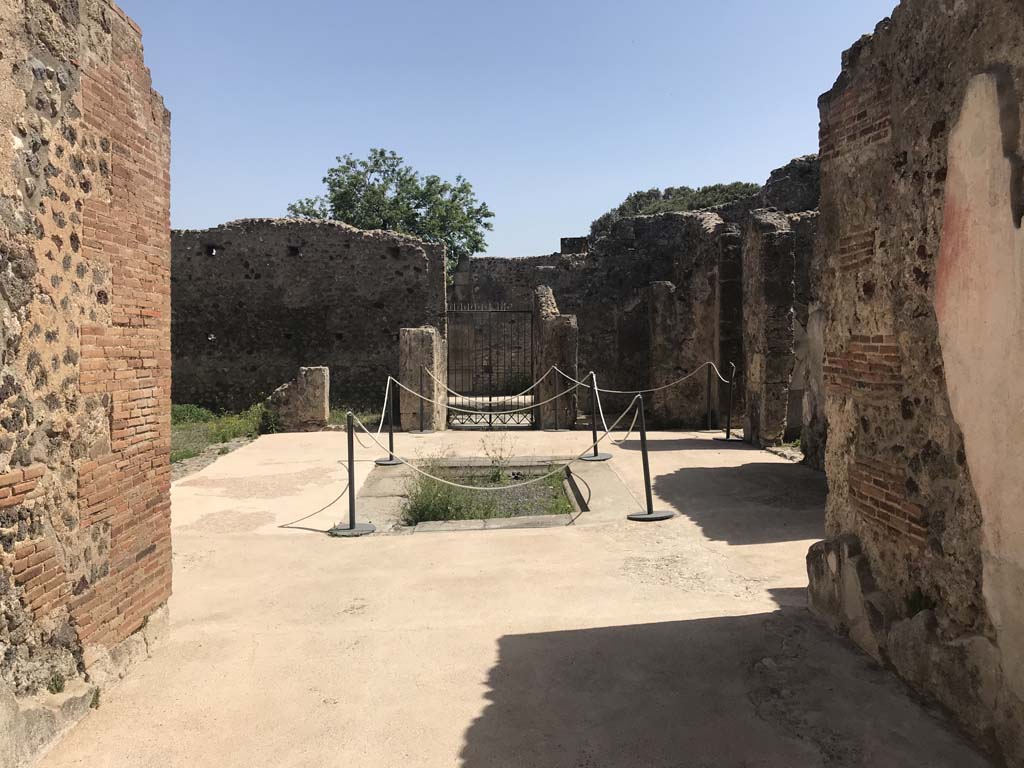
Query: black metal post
x: 353, y: 529
x: 389, y: 412
x: 728, y: 416
x: 594, y: 416
x: 555, y: 402
x: 352, y: 472
x: 729, y: 400
x: 423, y: 403
x: 650, y: 516
x: 710, y: 421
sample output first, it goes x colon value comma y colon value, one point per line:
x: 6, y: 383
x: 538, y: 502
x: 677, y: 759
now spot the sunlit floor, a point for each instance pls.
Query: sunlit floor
x: 605, y: 644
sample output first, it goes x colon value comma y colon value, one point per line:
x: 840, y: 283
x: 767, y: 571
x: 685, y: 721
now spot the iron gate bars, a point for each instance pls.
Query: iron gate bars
x: 490, y: 364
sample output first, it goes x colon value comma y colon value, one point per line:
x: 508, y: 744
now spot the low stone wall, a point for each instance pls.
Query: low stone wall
x: 254, y: 300
x: 921, y: 245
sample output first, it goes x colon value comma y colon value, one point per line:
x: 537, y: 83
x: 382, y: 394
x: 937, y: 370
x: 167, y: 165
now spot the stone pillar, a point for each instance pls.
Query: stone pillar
x: 768, y: 325
x: 423, y: 349
x: 686, y: 403
x: 301, y: 405
x: 730, y: 324
x: 556, y: 342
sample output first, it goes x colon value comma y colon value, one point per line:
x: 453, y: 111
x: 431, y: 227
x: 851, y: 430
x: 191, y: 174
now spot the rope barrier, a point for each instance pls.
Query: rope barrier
x: 600, y: 410
x: 503, y: 398
x: 383, y: 414
x: 485, y: 413
x: 513, y: 486
x: 647, y: 391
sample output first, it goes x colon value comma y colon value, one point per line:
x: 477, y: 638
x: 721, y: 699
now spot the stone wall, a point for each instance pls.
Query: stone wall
x: 777, y: 255
x: 556, y: 343
x: 85, y: 549
x: 609, y: 290
x: 254, y: 300
x: 660, y: 295
x: 921, y: 245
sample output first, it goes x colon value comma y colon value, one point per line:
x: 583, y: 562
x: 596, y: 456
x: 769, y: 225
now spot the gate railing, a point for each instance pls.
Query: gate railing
x: 490, y: 362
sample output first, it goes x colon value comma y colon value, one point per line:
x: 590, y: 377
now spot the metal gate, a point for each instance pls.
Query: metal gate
x: 490, y: 365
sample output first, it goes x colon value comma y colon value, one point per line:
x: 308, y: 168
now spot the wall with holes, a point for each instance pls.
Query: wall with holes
x: 254, y: 300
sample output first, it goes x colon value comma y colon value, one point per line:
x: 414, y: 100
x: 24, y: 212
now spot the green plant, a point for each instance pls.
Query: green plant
x: 56, y: 682
x: 191, y: 414
x: 95, y: 703
x: 370, y: 418
x: 190, y: 438
x: 643, y: 203
x: 431, y: 499
x: 184, y: 455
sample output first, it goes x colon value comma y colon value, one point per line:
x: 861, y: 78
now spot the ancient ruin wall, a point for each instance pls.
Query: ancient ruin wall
x: 610, y: 290
x: 921, y: 214
x: 254, y: 300
x: 777, y: 255
x: 85, y: 551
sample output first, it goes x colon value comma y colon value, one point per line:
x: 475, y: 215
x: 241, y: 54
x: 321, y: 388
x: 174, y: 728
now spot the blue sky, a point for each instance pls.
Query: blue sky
x: 555, y: 110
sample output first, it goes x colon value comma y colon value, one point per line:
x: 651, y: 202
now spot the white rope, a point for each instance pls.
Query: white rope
x: 497, y: 487
x: 503, y: 398
x: 486, y: 413
x: 383, y: 412
x: 600, y: 410
x: 647, y: 391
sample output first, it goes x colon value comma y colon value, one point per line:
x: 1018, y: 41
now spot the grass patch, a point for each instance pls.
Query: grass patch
x: 369, y: 417
x: 194, y: 429
x: 430, y: 500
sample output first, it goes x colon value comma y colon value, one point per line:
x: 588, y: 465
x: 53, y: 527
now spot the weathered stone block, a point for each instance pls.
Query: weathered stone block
x: 301, y: 405
x: 423, y: 369
x: 556, y: 343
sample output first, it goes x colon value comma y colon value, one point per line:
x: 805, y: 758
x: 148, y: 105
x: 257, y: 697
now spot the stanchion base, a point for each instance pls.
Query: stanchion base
x: 599, y: 457
x: 420, y: 432
x: 344, y: 532
x: 733, y: 439
x: 387, y: 462
x: 657, y: 517
x: 560, y: 429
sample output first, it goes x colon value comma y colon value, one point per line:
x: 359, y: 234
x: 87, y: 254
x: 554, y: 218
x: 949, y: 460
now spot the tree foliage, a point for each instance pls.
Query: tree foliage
x: 673, y: 199
x: 382, y: 192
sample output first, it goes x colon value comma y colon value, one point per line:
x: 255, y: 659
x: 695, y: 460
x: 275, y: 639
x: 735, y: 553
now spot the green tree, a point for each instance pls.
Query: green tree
x: 673, y: 199
x: 382, y: 192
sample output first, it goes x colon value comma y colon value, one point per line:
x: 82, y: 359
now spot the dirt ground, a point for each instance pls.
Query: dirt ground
x: 603, y: 644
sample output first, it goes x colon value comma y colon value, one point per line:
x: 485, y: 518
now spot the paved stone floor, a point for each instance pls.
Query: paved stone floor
x: 605, y: 644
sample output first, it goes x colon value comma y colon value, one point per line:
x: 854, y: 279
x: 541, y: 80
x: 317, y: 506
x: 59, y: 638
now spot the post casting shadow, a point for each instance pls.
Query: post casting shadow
x: 772, y: 690
x: 754, y: 503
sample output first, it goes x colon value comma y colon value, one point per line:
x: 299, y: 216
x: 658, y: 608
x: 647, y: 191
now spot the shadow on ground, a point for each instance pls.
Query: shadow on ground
x: 657, y: 445
x: 765, y: 691
x: 756, y: 503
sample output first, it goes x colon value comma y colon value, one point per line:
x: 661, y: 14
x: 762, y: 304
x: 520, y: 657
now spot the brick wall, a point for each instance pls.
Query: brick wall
x: 255, y: 300
x: 85, y: 380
